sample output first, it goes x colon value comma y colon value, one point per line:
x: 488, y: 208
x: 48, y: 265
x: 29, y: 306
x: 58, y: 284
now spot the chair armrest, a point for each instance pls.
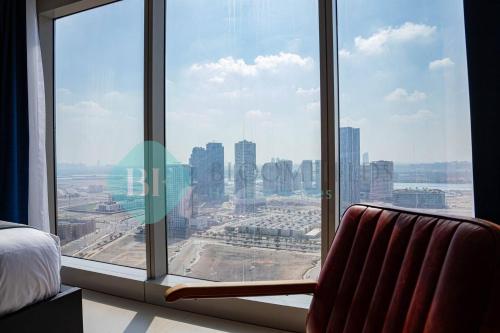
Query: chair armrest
x: 239, y: 289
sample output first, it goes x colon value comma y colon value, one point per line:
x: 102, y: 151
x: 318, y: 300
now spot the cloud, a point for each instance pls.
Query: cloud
x: 351, y: 122
x: 311, y: 92
x: 377, y: 43
x: 401, y: 95
x: 205, y: 119
x: 257, y: 115
x: 313, y: 107
x: 84, y: 109
x: 237, y: 93
x: 344, y: 54
x: 64, y: 91
x: 418, y: 116
x: 441, y: 64
x: 219, y: 70
x: 216, y: 79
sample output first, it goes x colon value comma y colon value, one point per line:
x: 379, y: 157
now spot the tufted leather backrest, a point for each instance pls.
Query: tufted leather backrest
x: 390, y: 270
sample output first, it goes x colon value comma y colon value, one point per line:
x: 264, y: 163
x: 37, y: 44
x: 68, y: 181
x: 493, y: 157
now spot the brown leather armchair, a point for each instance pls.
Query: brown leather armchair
x: 390, y: 270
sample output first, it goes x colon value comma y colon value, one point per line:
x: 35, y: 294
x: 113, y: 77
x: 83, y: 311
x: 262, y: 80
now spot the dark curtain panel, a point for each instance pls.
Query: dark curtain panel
x: 482, y: 29
x: 14, y: 139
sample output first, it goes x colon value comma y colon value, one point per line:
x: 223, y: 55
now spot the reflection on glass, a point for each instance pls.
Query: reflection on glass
x: 243, y: 123
x: 404, y: 108
x: 99, y: 121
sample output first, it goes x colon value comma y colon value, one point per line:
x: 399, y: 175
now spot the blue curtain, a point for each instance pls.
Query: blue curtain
x: 14, y: 131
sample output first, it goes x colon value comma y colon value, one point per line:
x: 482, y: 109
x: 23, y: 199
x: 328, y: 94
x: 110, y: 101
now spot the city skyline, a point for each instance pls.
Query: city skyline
x: 275, y: 206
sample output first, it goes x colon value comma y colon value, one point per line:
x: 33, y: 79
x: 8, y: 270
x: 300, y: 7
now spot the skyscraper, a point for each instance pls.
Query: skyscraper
x: 179, y: 200
x: 317, y: 175
x: 277, y: 177
x: 297, y: 180
x: 198, y: 163
x: 366, y: 158
x: 215, y: 174
x: 208, y: 172
x: 381, y: 181
x: 285, y: 177
x: 269, y: 176
x: 245, y: 174
x: 365, y: 181
x: 349, y: 166
x: 306, y: 169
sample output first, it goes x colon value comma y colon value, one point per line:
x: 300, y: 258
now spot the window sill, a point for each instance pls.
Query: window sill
x: 281, y: 312
x: 107, y: 278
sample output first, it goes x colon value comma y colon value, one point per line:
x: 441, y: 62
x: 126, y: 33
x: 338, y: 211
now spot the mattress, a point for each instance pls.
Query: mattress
x: 30, y: 264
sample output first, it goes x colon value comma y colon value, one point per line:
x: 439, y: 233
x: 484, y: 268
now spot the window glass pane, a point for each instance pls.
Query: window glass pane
x: 404, y: 108
x: 99, y: 123
x: 243, y: 126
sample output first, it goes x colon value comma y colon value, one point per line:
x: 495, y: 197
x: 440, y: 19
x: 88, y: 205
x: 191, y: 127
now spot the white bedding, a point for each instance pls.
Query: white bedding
x: 30, y: 264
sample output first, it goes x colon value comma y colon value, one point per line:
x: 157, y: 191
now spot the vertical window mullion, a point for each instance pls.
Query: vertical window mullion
x: 329, y: 123
x: 154, y: 130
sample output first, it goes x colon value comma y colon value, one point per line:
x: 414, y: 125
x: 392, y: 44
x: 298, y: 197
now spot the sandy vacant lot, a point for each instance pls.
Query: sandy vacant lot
x: 221, y: 262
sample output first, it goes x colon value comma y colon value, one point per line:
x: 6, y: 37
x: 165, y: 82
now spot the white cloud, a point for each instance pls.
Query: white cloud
x: 344, y: 53
x: 236, y: 93
x: 313, y: 107
x: 440, y: 64
x: 377, y: 43
x: 193, y: 119
x: 257, y: 115
x: 351, y: 122
x: 220, y: 69
x: 312, y: 92
x: 216, y: 79
x: 84, y: 109
x: 401, y: 95
x: 418, y: 116
x: 64, y: 91
x: 273, y: 61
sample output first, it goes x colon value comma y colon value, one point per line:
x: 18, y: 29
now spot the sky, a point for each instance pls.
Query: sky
x: 241, y: 69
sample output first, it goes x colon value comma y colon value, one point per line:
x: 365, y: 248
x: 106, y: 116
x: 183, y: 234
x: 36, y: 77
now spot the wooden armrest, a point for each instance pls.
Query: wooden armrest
x: 239, y: 289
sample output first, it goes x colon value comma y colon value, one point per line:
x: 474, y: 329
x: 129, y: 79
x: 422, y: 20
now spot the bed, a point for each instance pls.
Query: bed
x: 30, y: 281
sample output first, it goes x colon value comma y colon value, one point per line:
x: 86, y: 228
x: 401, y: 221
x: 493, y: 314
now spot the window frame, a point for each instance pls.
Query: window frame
x: 148, y: 285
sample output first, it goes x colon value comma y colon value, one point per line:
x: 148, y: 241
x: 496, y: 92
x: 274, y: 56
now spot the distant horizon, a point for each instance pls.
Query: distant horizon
x: 232, y: 163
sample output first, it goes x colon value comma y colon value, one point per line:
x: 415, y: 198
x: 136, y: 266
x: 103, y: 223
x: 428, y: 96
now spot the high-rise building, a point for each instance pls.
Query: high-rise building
x: 269, y: 177
x: 365, y: 181
x: 349, y: 166
x: 366, y: 158
x: 179, y: 200
x: 381, y: 181
x: 229, y: 171
x: 198, y: 163
x: 245, y: 174
x: 297, y: 180
x: 215, y: 174
x: 208, y: 172
x: 306, y: 169
x: 277, y: 177
x: 285, y: 177
x: 317, y: 175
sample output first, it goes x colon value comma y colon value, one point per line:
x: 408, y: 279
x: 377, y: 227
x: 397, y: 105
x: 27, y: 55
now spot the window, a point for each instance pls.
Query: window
x: 243, y: 127
x: 99, y: 61
x: 243, y: 133
x: 404, y: 109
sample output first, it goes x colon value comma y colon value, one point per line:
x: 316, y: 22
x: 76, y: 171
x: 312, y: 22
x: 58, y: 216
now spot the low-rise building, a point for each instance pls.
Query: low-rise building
x: 419, y: 198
